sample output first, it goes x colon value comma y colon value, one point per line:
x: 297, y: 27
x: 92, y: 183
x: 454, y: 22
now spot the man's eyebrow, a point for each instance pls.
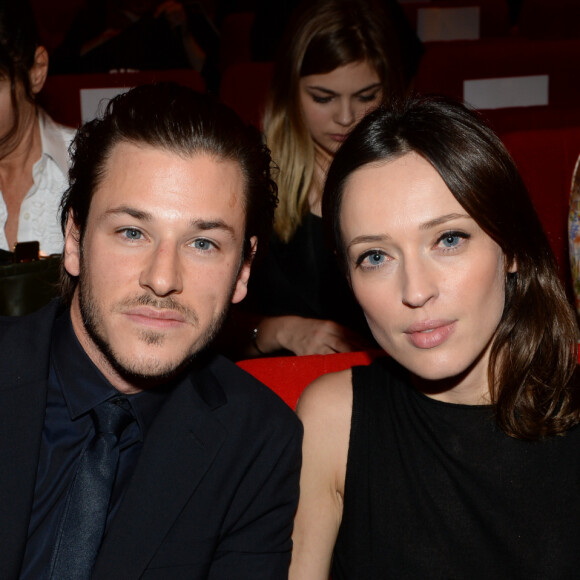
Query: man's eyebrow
x: 206, y: 225
x: 130, y: 211
x: 195, y: 224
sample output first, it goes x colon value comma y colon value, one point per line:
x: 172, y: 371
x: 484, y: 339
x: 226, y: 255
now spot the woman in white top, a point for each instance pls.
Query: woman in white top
x: 33, y: 148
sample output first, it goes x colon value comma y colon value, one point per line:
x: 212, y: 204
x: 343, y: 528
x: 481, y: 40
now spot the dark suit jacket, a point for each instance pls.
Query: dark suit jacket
x: 215, y: 489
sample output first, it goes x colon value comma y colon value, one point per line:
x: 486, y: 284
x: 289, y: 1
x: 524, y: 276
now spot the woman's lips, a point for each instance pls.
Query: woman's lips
x: 430, y: 333
x: 339, y: 137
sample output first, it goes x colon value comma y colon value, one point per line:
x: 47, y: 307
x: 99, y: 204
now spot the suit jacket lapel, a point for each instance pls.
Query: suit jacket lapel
x: 23, y: 379
x: 179, y: 448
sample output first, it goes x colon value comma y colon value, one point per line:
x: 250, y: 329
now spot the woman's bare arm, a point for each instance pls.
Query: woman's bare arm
x: 325, y: 409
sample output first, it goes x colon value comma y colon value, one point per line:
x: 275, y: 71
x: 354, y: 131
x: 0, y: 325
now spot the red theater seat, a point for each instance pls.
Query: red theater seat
x: 549, y: 19
x: 61, y: 95
x: 288, y: 376
x: 458, y: 69
x: 492, y: 17
x: 546, y: 159
x: 244, y: 87
x: 235, y: 39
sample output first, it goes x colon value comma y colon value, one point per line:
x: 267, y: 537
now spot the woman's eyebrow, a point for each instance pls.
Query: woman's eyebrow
x: 369, y: 88
x: 321, y: 89
x: 366, y: 239
x: 330, y: 92
x: 377, y: 238
x: 443, y: 219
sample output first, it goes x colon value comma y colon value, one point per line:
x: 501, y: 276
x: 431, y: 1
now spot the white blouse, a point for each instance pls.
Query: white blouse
x: 39, y: 212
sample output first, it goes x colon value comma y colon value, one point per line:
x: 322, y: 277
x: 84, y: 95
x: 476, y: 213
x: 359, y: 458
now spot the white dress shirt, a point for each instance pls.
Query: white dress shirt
x: 39, y: 212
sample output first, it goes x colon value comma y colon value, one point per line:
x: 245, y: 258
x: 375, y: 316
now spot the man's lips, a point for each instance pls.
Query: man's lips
x: 154, y: 317
x: 430, y: 333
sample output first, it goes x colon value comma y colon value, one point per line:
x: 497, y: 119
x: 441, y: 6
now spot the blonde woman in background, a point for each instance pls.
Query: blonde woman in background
x: 340, y: 60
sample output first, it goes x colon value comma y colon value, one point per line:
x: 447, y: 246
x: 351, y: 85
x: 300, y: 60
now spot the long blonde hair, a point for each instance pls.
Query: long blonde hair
x: 322, y: 36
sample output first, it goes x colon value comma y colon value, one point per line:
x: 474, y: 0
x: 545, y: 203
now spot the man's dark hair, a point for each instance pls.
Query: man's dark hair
x: 174, y: 118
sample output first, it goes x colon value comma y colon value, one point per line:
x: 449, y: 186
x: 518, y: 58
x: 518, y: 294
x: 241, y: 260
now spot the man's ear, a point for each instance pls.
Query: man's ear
x: 513, y: 267
x: 39, y: 70
x: 244, y: 275
x: 72, y: 246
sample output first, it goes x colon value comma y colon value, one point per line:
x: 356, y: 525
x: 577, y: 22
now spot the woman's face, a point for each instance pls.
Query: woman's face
x: 7, y: 114
x: 430, y: 281
x: 333, y: 103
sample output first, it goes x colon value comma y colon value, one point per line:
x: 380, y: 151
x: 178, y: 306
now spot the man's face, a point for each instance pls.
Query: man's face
x: 161, y: 260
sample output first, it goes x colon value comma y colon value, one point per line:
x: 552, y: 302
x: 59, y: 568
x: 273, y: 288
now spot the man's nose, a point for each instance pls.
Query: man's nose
x: 162, y: 272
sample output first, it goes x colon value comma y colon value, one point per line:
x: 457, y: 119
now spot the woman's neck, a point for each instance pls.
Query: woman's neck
x: 322, y: 161
x: 26, y: 149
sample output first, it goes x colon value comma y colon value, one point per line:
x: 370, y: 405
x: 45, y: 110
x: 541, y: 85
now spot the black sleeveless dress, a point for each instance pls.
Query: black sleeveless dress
x: 436, y: 491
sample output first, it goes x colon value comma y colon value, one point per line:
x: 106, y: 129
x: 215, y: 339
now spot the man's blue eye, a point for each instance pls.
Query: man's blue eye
x: 202, y: 244
x: 133, y: 234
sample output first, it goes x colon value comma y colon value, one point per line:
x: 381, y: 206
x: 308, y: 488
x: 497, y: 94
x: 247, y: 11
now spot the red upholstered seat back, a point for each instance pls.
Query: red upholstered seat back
x: 546, y: 159
x: 61, y: 95
x: 244, y: 87
x: 288, y: 376
x: 235, y: 39
x: 446, y: 66
x: 493, y: 14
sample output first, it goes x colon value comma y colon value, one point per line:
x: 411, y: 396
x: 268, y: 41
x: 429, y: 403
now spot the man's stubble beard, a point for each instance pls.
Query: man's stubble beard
x: 156, y: 373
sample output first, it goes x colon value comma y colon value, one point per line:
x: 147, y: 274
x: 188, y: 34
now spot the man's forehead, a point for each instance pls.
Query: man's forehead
x: 133, y: 169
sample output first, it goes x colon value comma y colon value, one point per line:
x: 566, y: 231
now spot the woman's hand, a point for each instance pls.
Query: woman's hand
x: 306, y: 336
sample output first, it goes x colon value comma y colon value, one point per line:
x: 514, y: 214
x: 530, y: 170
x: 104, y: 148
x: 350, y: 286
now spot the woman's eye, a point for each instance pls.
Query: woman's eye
x: 376, y: 259
x: 452, y: 239
x: 132, y: 234
x: 371, y: 259
x: 318, y: 99
x: 368, y: 98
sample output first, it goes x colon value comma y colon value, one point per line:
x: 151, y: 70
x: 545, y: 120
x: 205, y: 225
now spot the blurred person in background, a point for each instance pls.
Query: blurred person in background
x: 119, y: 35
x: 34, y: 156
x: 339, y: 60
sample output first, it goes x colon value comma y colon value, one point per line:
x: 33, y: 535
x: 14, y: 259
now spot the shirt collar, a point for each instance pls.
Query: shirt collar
x: 52, y: 141
x: 84, y: 386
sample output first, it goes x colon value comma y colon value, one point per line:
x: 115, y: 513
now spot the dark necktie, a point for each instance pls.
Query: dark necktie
x: 82, y: 524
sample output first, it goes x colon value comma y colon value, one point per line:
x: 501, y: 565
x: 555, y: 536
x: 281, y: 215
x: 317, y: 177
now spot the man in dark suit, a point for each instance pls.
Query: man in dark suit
x: 169, y: 194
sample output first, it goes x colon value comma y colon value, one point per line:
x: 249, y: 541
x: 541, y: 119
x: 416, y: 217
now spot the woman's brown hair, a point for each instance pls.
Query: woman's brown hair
x: 534, y: 351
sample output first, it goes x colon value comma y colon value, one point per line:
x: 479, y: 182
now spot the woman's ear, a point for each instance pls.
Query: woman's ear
x: 39, y: 70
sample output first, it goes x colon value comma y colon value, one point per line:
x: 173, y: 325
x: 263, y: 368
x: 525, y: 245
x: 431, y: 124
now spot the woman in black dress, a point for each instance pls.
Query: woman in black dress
x: 459, y: 455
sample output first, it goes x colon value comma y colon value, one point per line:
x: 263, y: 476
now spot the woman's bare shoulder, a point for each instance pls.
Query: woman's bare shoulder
x: 328, y: 397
